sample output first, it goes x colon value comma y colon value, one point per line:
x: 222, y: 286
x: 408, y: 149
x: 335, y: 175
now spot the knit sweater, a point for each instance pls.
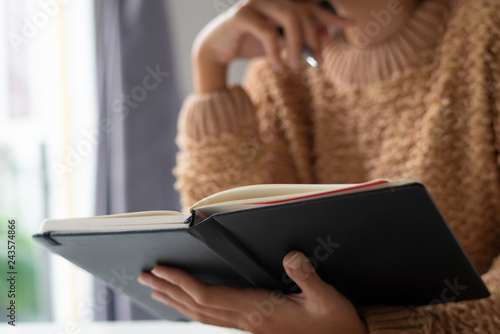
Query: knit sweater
x: 422, y: 103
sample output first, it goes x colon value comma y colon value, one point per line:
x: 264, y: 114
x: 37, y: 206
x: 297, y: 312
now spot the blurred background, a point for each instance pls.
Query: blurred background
x: 90, y: 91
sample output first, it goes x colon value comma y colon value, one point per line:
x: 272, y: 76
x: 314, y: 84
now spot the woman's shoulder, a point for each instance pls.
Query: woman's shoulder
x: 478, y: 3
x: 473, y: 27
x: 482, y: 12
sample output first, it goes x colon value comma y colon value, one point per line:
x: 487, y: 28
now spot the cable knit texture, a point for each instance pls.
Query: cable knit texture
x: 423, y: 103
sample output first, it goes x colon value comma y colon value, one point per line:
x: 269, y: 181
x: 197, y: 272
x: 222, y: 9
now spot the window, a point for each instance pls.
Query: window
x: 48, y: 108
x: 48, y: 124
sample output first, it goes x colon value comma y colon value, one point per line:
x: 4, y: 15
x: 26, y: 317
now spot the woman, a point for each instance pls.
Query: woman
x: 404, y: 89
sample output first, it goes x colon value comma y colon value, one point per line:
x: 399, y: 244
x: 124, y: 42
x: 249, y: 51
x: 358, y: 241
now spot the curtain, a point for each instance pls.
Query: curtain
x: 138, y: 106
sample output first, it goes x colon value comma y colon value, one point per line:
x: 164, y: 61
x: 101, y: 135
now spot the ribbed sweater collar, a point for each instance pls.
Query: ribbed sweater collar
x: 357, y: 67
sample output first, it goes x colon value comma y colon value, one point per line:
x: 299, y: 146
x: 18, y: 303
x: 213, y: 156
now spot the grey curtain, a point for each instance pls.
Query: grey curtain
x: 138, y: 107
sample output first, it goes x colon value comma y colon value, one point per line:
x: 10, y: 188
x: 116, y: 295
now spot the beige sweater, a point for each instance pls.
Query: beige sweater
x: 424, y: 103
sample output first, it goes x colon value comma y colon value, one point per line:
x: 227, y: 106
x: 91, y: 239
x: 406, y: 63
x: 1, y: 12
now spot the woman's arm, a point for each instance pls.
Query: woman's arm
x: 219, y: 138
x: 250, y: 29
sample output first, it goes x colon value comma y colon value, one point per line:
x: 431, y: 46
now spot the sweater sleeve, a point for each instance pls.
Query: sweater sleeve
x: 219, y: 145
x: 480, y: 316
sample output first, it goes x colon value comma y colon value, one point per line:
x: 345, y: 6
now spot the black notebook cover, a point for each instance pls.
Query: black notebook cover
x: 387, y: 246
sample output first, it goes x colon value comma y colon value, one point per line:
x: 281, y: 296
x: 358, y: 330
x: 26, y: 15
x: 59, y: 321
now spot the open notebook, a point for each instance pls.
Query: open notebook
x: 225, y: 201
x: 378, y: 242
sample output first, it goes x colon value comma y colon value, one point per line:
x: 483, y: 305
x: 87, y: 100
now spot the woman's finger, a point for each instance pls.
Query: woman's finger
x: 165, y: 287
x: 264, y: 31
x: 178, y: 298
x: 202, y: 315
x: 299, y: 21
x: 311, y: 36
x: 214, y: 296
x: 288, y: 16
x: 329, y: 18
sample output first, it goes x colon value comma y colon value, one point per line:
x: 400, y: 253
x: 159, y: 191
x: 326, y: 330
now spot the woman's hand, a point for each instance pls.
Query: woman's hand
x: 319, y: 308
x: 250, y: 29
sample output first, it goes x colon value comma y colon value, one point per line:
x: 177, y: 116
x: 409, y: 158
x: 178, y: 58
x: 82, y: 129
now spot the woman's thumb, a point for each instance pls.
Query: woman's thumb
x: 300, y: 270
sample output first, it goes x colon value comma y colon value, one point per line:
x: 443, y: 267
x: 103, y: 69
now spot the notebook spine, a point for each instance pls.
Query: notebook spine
x: 223, y: 243
x: 47, y: 239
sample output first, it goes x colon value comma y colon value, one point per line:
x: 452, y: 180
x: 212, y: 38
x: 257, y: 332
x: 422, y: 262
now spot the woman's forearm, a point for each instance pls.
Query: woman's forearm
x: 208, y: 75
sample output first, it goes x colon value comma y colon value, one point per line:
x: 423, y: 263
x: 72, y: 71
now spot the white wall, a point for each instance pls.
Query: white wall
x: 187, y: 18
